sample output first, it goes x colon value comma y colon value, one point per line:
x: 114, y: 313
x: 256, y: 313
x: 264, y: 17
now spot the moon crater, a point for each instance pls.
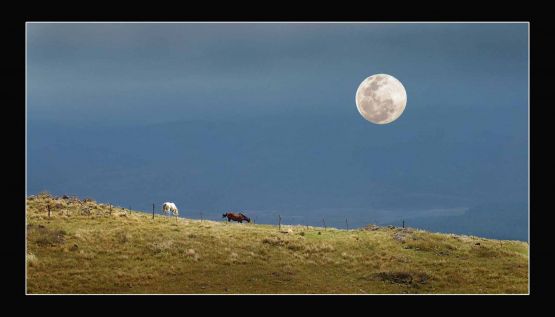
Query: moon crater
x: 381, y: 98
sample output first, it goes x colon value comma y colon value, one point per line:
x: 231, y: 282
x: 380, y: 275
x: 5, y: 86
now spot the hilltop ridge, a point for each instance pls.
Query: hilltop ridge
x: 89, y: 247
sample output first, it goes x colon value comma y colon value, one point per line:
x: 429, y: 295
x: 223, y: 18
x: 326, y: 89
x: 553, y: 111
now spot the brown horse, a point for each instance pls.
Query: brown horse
x: 236, y: 217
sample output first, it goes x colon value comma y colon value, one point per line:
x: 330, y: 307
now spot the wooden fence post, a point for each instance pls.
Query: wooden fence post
x: 201, y: 218
x: 48, y: 206
x: 403, y: 223
x: 347, y: 223
x: 279, y: 221
x: 324, y: 221
x: 152, y: 210
x: 110, y: 209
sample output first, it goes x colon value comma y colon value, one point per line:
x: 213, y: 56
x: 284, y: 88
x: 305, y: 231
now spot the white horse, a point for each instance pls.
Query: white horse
x: 168, y: 207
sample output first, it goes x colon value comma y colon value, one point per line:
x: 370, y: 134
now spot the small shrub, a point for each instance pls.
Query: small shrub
x: 44, y: 194
x: 159, y: 247
x: 46, y: 237
x: 484, y: 252
x: 122, y: 236
x: 294, y: 246
x: 319, y: 248
x: 402, y: 277
x: 274, y: 241
x: 278, y: 242
x: 325, y: 247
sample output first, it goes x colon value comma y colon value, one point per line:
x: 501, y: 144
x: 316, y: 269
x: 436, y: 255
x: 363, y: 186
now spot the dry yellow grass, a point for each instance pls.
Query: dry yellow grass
x: 83, y: 248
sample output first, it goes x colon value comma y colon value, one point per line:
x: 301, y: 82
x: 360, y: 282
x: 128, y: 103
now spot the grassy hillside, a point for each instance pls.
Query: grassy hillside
x: 83, y: 247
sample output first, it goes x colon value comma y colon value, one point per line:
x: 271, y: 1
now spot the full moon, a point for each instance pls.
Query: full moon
x: 381, y: 98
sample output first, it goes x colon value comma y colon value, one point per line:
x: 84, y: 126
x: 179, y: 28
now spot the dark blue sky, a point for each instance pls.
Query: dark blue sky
x: 252, y: 116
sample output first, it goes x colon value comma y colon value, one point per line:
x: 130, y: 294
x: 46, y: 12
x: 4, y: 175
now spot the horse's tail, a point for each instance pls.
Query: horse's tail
x: 248, y: 219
